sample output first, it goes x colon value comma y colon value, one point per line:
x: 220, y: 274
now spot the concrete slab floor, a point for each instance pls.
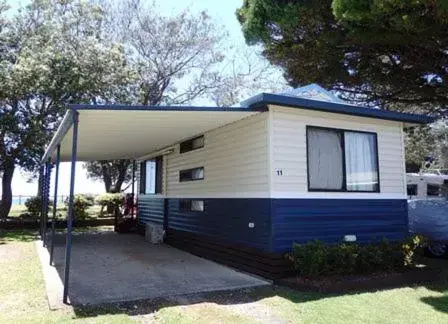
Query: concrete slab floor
x: 108, y: 267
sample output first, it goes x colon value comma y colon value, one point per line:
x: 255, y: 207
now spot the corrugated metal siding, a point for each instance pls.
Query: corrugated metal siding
x: 302, y: 220
x: 150, y: 209
x: 288, y: 151
x: 235, y: 161
x: 226, y: 220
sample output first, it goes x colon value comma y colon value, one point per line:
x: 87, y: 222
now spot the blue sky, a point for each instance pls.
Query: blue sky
x: 223, y: 12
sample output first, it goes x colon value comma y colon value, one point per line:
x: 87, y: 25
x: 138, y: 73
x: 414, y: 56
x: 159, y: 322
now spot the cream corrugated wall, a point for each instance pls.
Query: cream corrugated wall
x: 288, y: 152
x: 235, y: 161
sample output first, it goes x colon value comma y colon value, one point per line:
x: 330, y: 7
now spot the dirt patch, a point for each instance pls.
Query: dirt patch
x: 256, y: 311
x: 373, y: 282
x: 220, y: 306
x: 9, y: 253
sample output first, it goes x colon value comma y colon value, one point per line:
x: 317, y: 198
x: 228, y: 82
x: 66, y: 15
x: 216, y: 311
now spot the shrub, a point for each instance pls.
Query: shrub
x: 34, y: 206
x: 110, y: 199
x: 89, y: 198
x: 317, y: 258
x: 310, y: 259
x: 80, y: 204
x: 411, y: 247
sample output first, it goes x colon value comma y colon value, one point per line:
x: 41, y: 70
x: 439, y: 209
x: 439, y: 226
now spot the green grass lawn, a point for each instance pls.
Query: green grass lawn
x: 22, y: 300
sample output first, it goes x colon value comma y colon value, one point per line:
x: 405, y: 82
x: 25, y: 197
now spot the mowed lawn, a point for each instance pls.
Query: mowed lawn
x: 22, y: 300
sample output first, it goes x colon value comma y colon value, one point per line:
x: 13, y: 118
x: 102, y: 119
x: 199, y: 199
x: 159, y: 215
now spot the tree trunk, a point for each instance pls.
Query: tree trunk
x: 107, y: 179
x: 122, y: 172
x: 39, y: 185
x: 6, y: 201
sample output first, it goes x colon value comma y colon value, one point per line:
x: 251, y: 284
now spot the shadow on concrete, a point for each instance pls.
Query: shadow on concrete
x: 107, y: 267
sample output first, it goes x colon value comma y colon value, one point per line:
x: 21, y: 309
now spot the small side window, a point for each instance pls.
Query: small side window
x: 192, y: 144
x: 187, y: 205
x: 191, y: 174
x: 197, y: 205
x: 433, y: 190
x: 412, y: 189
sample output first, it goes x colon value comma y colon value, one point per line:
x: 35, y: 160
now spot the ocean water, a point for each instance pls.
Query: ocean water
x: 19, y: 200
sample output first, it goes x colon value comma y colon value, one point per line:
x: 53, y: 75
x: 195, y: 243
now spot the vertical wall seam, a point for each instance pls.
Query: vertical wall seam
x: 403, y: 156
x: 270, y: 163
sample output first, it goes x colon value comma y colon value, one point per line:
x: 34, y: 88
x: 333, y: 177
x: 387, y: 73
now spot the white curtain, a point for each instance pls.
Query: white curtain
x: 325, y: 159
x: 150, y: 183
x: 361, y: 161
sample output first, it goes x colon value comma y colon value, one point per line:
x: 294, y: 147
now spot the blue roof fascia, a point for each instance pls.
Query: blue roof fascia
x: 264, y: 99
x: 166, y: 108
x: 63, y: 128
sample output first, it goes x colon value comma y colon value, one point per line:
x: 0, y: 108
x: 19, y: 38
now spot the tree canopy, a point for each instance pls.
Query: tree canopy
x: 52, y: 53
x: 393, y: 53
x: 178, y: 59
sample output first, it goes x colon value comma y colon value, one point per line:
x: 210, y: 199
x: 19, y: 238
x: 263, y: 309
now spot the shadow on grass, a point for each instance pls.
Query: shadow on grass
x: 8, y: 236
x: 438, y: 303
x: 242, y: 296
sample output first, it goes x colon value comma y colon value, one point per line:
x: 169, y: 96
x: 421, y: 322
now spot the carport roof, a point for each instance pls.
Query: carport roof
x: 130, y: 132
x: 110, y: 132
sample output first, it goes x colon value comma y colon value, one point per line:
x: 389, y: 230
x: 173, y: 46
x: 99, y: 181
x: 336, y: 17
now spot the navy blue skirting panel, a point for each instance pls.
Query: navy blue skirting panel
x: 329, y: 220
x: 273, y: 225
x: 150, y: 209
x: 226, y: 220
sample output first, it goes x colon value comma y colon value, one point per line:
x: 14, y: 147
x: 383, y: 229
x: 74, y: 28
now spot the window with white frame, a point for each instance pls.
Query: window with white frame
x: 342, y: 160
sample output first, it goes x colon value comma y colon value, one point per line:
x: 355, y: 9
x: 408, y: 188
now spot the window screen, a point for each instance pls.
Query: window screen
x: 191, y: 174
x: 361, y: 161
x: 150, y: 181
x: 325, y: 159
x: 340, y: 160
x: 192, y: 144
x: 191, y: 205
x: 151, y: 176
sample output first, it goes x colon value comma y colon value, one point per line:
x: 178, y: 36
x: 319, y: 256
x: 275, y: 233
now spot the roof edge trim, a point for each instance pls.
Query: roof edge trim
x: 62, y: 130
x: 264, y: 99
x: 166, y: 108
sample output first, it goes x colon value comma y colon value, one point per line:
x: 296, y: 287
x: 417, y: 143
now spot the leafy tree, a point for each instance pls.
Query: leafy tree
x: 382, y: 51
x: 113, y: 173
x: 440, y: 132
x: 51, y: 54
x: 420, y: 145
x: 177, y: 60
x: 177, y: 57
x: 246, y: 74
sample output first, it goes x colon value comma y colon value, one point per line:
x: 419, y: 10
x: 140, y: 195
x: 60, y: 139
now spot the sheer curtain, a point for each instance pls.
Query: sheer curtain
x: 360, y: 160
x: 325, y: 159
x: 150, y: 177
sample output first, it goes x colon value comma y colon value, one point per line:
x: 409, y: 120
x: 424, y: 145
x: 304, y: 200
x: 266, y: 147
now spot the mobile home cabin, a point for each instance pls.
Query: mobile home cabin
x: 242, y: 184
